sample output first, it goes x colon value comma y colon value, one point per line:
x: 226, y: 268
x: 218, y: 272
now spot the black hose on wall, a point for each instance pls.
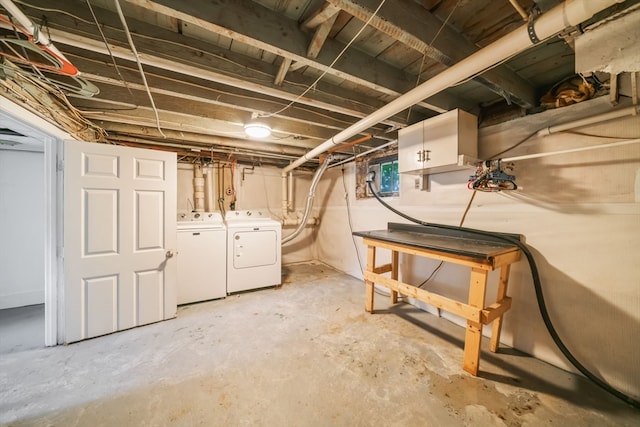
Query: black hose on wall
x: 538, y: 289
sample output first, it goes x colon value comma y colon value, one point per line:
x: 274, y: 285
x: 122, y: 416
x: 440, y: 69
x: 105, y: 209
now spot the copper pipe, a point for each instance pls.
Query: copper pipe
x: 519, y: 9
x: 350, y: 144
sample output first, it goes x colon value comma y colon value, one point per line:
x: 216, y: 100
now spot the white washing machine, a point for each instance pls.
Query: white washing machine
x: 202, y: 257
x: 253, y: 251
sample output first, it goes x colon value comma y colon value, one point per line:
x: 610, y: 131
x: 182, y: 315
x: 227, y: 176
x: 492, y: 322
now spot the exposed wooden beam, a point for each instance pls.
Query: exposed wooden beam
x: 201, y: 100
x: 199, y: 139
x: 254, y: 25
x: 320, y: 36
x: 324, y: 13
x: 318, y: 100
x: 413, y: 25
x: 282, y: 71
x: 236, y: 72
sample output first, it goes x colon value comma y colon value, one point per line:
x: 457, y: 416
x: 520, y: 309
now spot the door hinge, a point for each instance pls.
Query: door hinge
x: 60, y: 166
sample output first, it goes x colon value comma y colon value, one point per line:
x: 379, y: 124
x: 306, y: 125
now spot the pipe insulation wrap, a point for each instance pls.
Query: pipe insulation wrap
x: 548, y: 24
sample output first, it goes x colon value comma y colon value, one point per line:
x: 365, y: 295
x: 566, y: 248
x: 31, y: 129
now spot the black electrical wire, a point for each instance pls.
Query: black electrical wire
x: 538, y: 289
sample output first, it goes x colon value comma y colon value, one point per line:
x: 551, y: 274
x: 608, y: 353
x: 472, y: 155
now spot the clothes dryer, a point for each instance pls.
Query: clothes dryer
x: 253, y: 250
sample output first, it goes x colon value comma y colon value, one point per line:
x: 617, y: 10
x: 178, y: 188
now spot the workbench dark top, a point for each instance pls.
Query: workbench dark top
x: 453, y: 241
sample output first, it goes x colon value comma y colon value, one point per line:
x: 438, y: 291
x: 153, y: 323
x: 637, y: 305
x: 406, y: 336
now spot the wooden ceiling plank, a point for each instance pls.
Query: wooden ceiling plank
x: 208, y: 74
x: 214, y: 64
x: 414, y: 26
x: 247, y: 22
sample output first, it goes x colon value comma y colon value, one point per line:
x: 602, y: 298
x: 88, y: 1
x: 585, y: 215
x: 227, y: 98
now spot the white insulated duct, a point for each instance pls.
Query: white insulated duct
x: 310, y: 196
x: 569, y: 13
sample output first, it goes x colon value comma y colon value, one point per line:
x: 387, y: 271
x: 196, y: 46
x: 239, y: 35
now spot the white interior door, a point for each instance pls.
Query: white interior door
x: 119, y: 237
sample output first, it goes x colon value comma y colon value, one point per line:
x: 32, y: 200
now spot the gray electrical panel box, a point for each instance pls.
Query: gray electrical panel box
x: 443, y: 143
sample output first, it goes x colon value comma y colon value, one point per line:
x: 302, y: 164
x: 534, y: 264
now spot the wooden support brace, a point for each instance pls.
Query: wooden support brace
x: 495, y: 310
x: 369, y: 284
x: 473, y: 336
x: 465, y: 310
x: 393, y: 294
x: 282, y: 71
x: 502, y: 295
x: 383, y: 269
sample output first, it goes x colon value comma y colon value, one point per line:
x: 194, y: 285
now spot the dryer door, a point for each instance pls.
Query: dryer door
x: 254, y: 248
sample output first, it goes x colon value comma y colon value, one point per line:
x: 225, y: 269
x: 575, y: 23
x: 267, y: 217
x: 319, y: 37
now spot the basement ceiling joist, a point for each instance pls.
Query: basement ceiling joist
x: 412, y: 25
x: 211, y: 66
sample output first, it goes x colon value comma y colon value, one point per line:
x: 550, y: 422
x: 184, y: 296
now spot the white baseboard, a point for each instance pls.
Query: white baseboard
x: 20, y: 299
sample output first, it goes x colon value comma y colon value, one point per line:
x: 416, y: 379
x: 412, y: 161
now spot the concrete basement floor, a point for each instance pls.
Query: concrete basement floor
x: 304, y: 354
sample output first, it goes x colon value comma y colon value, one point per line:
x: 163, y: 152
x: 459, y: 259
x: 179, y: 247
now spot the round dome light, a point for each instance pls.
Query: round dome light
x: 257, y: 130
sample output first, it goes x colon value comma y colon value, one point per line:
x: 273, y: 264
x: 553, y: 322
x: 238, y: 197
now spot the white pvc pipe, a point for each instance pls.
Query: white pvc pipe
x: 209, y: 198
x: 570, y: 13
x: 572, y: 150
x: 590, y: 120
x: 198, y: 189
x: 285, y: 201
x: 290, y: 192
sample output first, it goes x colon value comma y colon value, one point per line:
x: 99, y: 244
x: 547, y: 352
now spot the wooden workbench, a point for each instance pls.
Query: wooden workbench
x: 481, y: 253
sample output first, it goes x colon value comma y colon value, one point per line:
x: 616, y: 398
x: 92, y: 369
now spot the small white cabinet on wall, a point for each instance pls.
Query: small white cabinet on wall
x: 443, y: 143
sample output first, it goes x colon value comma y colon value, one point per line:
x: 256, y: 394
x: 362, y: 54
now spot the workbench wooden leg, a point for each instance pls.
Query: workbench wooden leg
x: 369, y: 285
x: 502, y: 292
x: 394, y: 275
x: 473, y: 336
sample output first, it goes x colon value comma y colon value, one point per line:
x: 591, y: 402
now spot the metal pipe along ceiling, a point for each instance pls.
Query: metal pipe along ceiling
x: 569, y: 13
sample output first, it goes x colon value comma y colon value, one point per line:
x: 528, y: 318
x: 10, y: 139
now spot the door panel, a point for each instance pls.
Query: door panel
x: 99, y: 305
x: 149, y: 288
x: 149, y: 225
x: 254, y: 248
x: 119, y: 226
x: 100, y: 222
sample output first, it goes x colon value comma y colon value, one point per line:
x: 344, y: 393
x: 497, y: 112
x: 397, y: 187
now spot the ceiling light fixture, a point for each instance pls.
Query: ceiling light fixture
x: 257, y: 130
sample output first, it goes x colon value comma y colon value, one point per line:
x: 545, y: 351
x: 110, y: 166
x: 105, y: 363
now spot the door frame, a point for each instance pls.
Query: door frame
x: 30, y: 124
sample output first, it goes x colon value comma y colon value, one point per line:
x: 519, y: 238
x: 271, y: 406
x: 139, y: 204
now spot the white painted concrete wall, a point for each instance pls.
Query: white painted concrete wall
x: 580, y: 214
x: 21, y: 228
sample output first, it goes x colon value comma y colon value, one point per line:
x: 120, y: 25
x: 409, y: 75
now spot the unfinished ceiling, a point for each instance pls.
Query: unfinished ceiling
x: 307, y: 68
